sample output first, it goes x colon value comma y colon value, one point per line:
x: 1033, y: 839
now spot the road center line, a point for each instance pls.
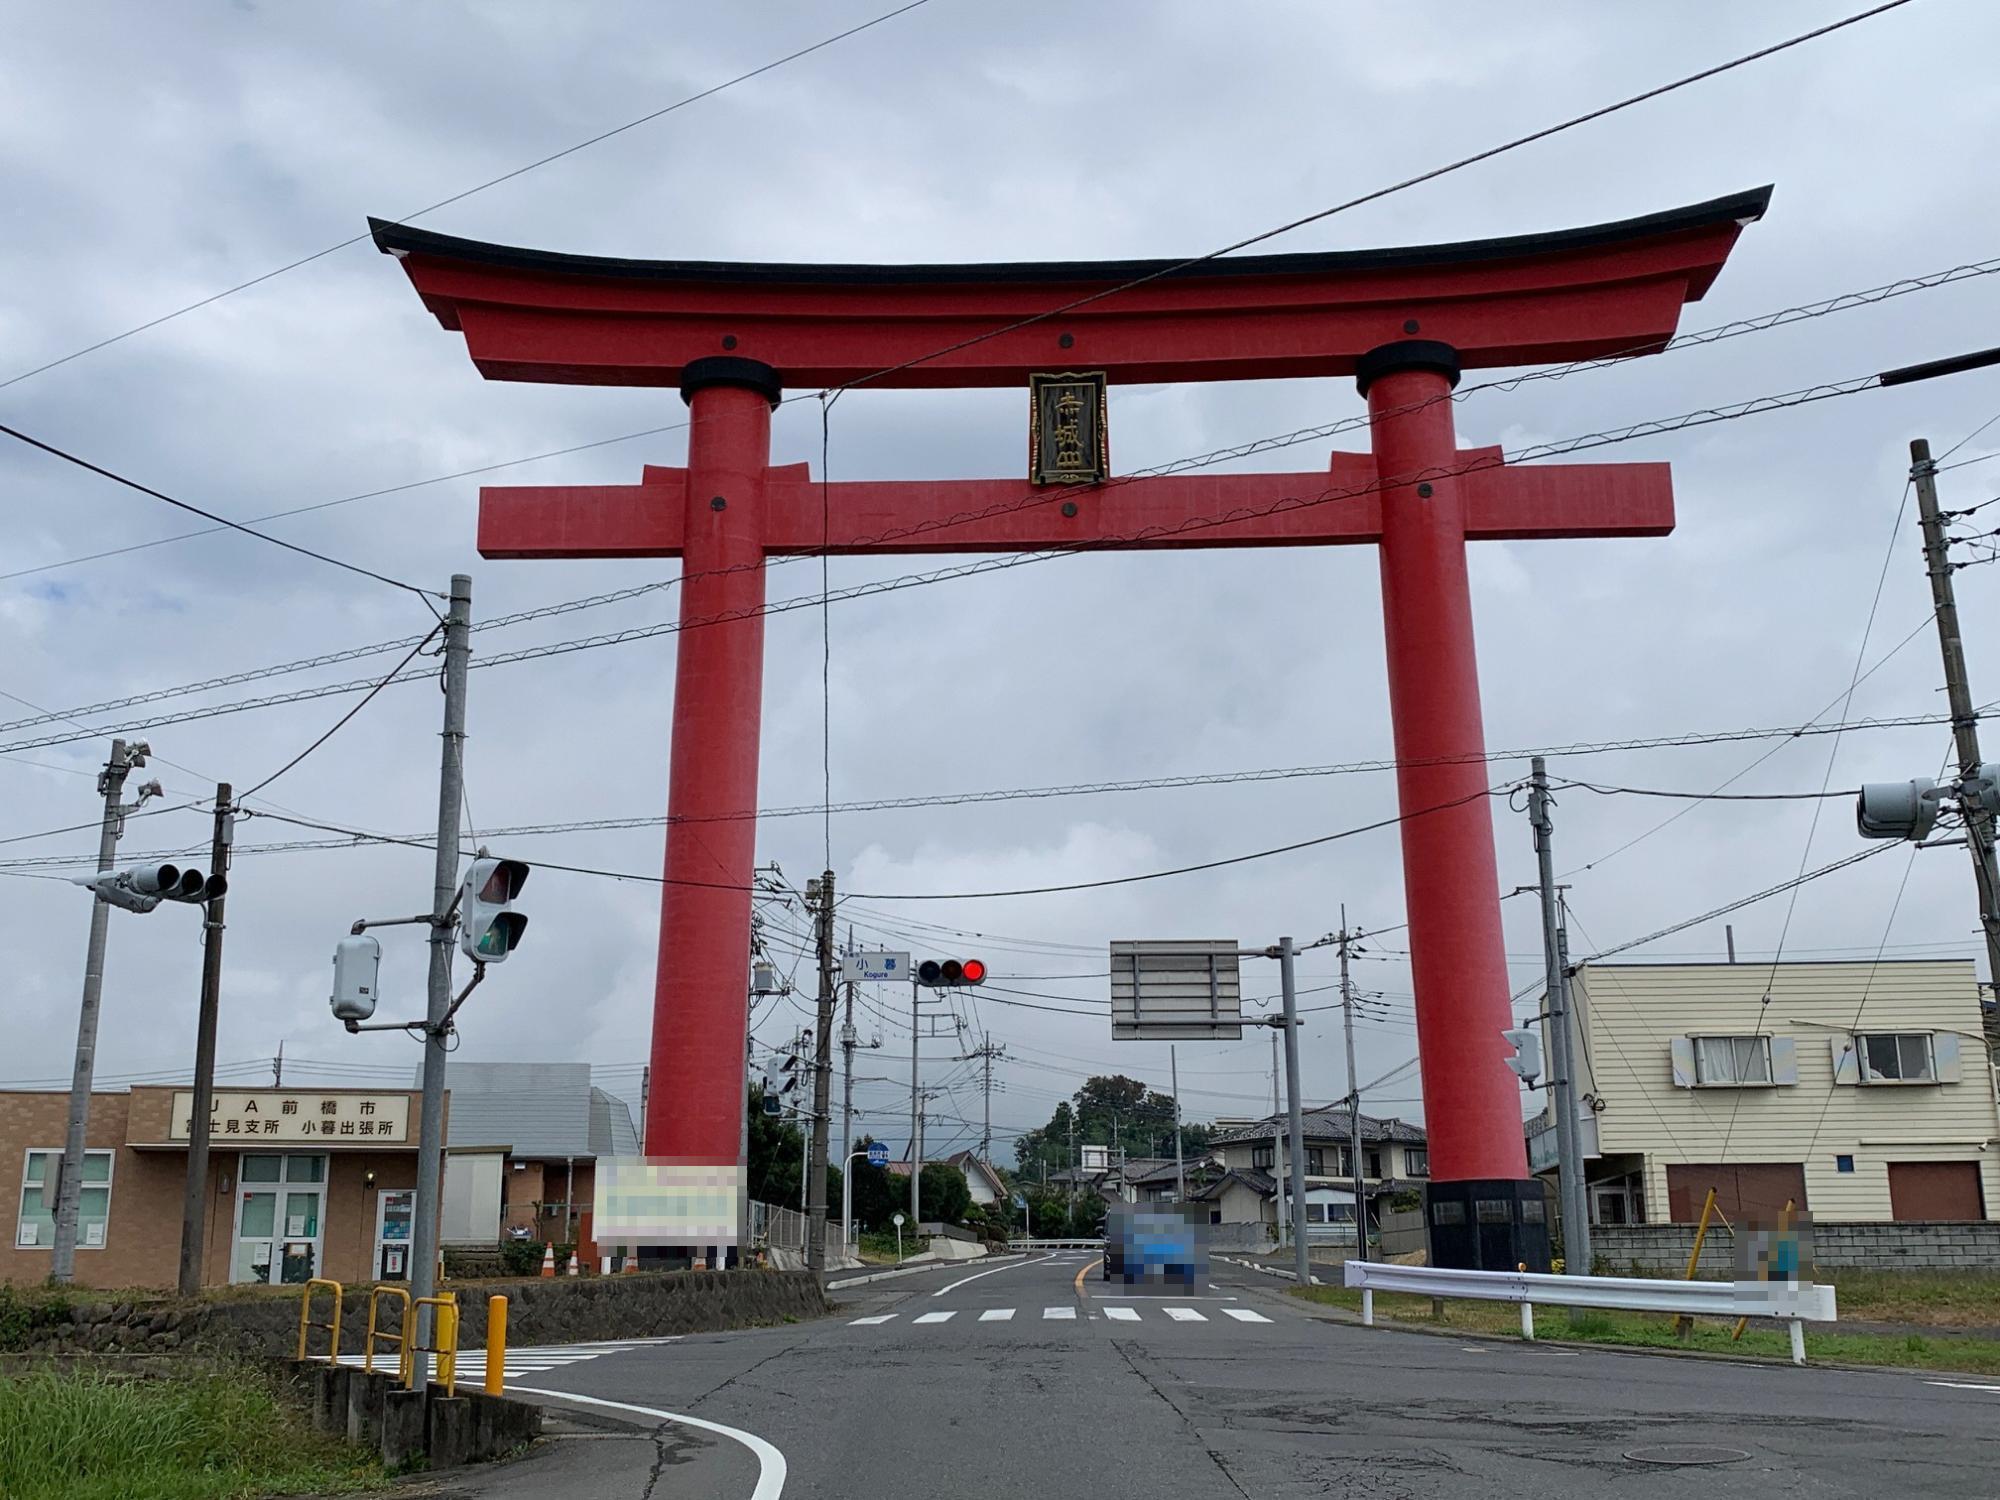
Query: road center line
x: 770, y: 1462
x: 992, y: 1271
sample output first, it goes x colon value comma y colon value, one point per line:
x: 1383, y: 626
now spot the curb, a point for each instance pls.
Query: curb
x: 933, y: 1265
x: 1292, y: 1276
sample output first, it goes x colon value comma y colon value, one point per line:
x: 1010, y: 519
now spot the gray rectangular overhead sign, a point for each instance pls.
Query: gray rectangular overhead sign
x: 1177, y: 990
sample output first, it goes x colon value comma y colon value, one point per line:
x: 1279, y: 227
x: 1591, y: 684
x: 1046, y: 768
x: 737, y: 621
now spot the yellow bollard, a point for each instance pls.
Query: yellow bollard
x: 377, y: 1335
x: 496, y: 1345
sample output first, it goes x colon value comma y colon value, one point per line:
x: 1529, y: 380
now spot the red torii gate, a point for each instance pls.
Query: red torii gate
x: 1402, y: 321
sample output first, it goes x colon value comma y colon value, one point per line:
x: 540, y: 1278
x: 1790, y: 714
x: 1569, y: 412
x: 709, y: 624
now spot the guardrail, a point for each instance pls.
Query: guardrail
x: 1793, y: 1305
x: 400, y: 1338
x: 1096, y: 1244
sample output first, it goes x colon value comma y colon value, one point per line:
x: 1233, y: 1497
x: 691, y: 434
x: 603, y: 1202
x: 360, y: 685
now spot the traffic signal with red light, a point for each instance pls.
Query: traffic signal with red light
x: 951, y: 973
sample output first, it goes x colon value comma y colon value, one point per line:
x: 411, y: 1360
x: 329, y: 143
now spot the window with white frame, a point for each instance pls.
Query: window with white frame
x: 1732, y: 1061
x: 1896, y: 1057
x: 36, y: 1227
x: 1417, y: 1161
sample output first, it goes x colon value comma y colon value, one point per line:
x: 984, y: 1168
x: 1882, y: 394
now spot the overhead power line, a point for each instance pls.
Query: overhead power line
x: 1758, y: 323
x: 1377, y: 194
x: 1075, y: 789
x: 462, y: 195
x: 1477, y: 463
x: 132, y: 484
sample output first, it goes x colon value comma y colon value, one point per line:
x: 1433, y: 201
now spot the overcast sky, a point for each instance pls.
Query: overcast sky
x: 151, y: 155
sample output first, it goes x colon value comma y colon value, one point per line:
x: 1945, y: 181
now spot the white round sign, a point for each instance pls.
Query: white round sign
x: 897, y: 1220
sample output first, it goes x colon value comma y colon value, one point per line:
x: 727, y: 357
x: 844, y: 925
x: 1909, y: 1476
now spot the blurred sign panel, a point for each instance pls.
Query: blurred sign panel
x: 1185, y: 990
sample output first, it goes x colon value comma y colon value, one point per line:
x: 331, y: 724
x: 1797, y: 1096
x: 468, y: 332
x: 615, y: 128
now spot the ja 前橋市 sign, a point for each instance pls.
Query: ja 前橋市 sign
x: 296, y: 1116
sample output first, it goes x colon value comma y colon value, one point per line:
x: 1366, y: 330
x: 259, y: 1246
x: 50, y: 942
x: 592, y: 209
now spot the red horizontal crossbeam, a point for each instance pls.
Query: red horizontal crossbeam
x: 1341, y: 506
x: 591, y: 320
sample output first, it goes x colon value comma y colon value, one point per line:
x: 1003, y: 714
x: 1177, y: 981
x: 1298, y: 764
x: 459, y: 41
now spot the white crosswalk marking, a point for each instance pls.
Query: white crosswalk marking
x: 1184, y: 1315
x: 523, y: 1359
x: 1122, y: 1314
x: 937, y: 1317
x: 878, y: 1318
x: 1059, y: 1312
x: 996, y: 1315
x: 1244, y: 1315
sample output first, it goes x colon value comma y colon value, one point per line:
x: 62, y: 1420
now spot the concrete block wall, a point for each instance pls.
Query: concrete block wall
x: 1662, y: 1249
x: 580, y: 1309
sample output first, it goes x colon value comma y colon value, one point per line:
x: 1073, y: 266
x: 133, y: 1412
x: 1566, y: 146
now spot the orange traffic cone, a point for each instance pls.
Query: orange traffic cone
x: 548, y: 1260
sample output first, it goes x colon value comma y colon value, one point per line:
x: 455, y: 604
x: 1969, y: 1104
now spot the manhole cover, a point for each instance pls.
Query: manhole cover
x: 1686, y: 1453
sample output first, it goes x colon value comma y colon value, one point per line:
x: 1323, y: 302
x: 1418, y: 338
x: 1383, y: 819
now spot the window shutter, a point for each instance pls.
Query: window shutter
x: 1784, y: 1060
x: 1944, y: 1054
x: 1846, y: 1064
x: 1683, y: 1055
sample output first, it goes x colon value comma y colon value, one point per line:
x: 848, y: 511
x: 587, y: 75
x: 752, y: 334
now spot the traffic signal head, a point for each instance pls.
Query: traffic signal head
x: 357, y: 961
x: 1897, y: 809
x: 143, y: 887
x: 1980, y: 792
x: 1527, y: 1058
x: 488, y: 929
x: 950, y: 973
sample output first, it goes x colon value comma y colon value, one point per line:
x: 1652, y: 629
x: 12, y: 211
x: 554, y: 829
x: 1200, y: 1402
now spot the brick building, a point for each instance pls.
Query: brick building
x: 301, y: 1182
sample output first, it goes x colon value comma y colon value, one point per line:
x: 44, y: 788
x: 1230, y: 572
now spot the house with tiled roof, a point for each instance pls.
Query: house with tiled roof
x: 1256, y: 1156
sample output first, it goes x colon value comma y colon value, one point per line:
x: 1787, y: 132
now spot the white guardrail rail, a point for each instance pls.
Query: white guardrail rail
x: 1096, y: 1244
x: 1794, y: 1305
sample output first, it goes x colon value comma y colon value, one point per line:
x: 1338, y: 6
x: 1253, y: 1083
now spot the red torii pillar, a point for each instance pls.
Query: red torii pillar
x: 1403, y: 322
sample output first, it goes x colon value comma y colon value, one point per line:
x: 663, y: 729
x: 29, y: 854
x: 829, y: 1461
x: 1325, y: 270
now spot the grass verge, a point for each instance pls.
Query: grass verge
x: 218, y: 1436
x: 1655, y: 1330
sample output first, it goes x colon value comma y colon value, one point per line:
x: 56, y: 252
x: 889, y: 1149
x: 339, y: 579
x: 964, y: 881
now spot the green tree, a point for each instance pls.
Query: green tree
x: 874, y: 1194
x: 775, y: 1148
x: 942, y: 1195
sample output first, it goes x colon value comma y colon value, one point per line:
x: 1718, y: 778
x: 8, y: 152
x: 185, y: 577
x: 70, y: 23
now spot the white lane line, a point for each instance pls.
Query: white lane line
x: 1245, y: 1315
x: 937, y: 1317
x: 770, y: 1462
x: 996, y: 1315
x: 864, y: 1322
x: 1184, y: 1315
x: 1122, y: 1314
x: 1060, y: 1312
x: 992, y: 1271
x: 1963, y: 1385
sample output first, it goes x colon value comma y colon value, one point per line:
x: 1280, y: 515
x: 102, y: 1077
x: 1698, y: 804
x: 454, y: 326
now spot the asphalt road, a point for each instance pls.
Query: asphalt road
x: 1016, y: 1379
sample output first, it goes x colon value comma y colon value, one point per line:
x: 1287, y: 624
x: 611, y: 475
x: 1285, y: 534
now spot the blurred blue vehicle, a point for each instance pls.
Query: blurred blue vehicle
x: 1154, y: 1245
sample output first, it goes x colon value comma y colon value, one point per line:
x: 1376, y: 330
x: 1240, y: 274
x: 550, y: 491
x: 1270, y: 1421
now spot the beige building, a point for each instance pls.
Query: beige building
x: 1857, y: 1091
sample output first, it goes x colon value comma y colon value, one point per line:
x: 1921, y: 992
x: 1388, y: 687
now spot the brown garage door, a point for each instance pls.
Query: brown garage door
x: 1745, y: 1192
x: 1947, y: 1190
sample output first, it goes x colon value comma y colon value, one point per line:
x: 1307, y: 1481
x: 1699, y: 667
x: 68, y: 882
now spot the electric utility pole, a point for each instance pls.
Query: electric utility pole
x: 1174, y: 1082
x: 847, y: 1039
x: 985, y: 1053
x: 194, y: 1197
x: 1296, y: 1132
x: 1575, y: 1201
x: 1353, y: 1095
x: 1964, y: 718
x: 1278, y: 1150
x: 822, y: 1071
x: 69, y: 1185
x: 444, y: 887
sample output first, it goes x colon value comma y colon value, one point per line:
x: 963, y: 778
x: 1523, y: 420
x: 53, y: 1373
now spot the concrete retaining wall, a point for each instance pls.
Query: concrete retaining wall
x: 1658, y: 1249
x: 578, y: 1309
x: 1247, y: 1235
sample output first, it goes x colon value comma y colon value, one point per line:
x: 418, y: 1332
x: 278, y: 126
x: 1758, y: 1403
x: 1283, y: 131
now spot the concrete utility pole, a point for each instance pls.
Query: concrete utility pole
x: 69, y: 1185
x: 1353, y: 1096
x: 194, y: 1197
x: 916, y: 1105
x: 847, y: 1039
x: 985, y: 1053
x: 1174, y: 1082
x: 1296, y: 1131
x: 444, y: 887
x: 822, y: 1076
x: 1278, y: 1161
x: 1979, y: 831
x: 917, y: 1168
x: 1574, y: 1199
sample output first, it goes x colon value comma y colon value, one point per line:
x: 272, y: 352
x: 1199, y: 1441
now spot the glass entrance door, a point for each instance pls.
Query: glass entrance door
x: 395, y: 1214
x: 279, y: 1203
